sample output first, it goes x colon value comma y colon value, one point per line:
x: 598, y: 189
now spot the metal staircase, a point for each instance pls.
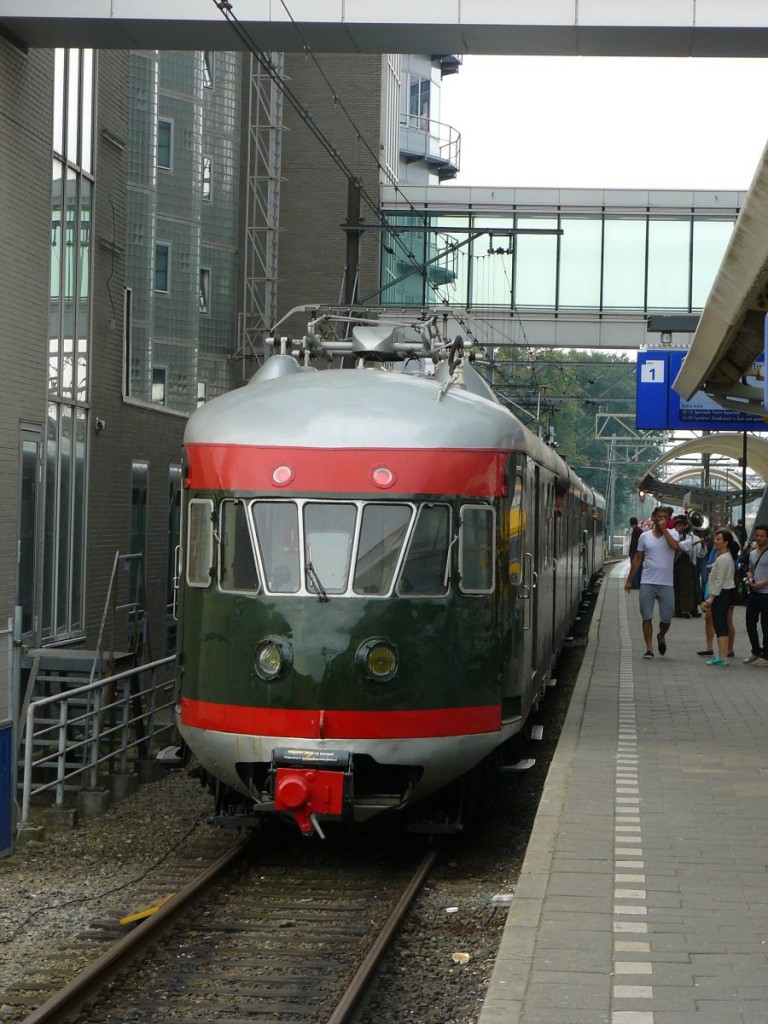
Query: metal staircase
x: 57, y: 671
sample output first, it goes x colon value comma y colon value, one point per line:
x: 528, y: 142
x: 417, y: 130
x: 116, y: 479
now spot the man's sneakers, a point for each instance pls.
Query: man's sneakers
x: 648, y: 654
x: 662, y: 644
x: 751, y: 659
x: 760, y: 662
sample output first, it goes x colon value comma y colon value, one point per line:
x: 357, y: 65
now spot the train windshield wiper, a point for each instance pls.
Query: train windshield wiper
x: 314, y: 579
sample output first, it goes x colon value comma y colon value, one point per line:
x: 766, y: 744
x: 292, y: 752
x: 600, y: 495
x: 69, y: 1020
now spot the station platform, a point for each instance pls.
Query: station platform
x: 643, y: 897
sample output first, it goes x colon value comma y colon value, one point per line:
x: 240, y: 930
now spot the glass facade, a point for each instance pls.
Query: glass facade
x: 184, y: 160
x: 559, y: 261
x: 69, y: 345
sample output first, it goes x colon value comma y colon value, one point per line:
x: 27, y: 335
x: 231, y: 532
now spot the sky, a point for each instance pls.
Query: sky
x: 608, y: 122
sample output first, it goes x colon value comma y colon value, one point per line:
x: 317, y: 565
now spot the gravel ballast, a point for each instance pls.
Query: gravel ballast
x: 56, y: 893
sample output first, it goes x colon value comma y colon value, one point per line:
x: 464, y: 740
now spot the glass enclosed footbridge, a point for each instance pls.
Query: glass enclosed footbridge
x: 557, y: 267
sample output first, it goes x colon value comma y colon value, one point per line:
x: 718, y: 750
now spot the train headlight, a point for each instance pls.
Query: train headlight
x: 379, y: 658
x: 272, y: 658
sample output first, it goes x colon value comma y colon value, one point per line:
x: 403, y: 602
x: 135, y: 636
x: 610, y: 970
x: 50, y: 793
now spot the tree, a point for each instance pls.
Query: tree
x: 558, y: 394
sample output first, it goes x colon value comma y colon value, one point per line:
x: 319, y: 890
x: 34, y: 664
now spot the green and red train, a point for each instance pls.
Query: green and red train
x: 378, y: 569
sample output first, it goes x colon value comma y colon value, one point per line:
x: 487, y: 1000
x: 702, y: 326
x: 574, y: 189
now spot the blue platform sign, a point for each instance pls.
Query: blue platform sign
x: 661, y: 408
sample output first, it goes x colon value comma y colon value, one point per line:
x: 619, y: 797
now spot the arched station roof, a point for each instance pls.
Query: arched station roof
x: 731, y: 445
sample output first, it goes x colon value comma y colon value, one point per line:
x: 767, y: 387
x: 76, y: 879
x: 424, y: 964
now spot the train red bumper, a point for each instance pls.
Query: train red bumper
x: 307, y: 792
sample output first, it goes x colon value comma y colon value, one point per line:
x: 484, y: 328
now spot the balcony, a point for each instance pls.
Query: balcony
x: 437, y: 144
x: 449, y: 63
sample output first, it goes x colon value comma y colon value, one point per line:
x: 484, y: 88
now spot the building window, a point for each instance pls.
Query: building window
x: 66, y: 444
x: 418, y: 102
x: 201, y: 393
x: 164, y: 143
x: 162, y: 267
x: 26, y: 596
x: 207, y: 178
x: 535, y: 277
x: 710, y: 240
x: 205, y: 290
x: 624, y: 262
x: 159, y: 384
x: 208, y: 68
x: 669, y: 263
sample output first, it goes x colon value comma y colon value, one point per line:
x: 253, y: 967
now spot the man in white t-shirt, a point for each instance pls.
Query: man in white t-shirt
x: 656, y: 553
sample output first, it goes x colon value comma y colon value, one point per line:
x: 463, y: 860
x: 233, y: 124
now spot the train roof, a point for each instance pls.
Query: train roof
x: 290, y: 405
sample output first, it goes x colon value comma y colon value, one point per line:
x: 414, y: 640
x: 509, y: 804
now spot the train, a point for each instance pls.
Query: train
x: 379, y: 565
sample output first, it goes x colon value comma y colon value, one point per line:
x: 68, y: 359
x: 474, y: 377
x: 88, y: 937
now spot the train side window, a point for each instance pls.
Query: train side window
x: 382, y: 534
x: 477, y: 537
x: 425, y: 571
x: 277, y: 534
x: 200, y: 542
x: 329, y: 531
x: 516, y: 530
x: 237, y: 565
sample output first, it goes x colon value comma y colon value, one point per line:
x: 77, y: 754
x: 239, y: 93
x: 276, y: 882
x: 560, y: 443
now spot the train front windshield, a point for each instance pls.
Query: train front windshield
x: 351, y: 547
x: 337, y: 548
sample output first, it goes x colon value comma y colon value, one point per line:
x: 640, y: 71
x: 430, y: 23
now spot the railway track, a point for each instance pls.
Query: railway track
x: 292, y: 935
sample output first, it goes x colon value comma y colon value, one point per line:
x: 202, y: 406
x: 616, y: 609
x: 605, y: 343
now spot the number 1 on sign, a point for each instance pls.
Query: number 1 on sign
x: 652, y: 371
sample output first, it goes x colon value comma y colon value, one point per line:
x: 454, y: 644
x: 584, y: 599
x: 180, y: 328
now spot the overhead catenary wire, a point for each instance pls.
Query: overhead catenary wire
x: 226, y: 8
x: 262, y: 58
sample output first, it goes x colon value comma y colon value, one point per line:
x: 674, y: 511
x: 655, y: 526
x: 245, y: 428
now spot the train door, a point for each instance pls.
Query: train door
x: 532, y: 556
x: 543, y: 592
x: 517, y: 694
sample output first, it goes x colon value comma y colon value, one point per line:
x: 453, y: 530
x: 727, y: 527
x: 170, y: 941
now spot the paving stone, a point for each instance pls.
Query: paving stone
x: 690, y: 754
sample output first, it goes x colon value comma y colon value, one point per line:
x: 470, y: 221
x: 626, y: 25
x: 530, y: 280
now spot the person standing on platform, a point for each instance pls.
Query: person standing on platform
x: 684, y: 573
x: 709, y: 629
x: 740, y: 533
x: 722, y: 584
x: 634, y: 537
x: 656, y: 554
x: 757, y: 598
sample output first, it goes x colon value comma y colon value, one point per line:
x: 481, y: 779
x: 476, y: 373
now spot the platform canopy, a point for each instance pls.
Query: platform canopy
x: 731, y: 445
x: 706, y: 498
x: 731, y: 330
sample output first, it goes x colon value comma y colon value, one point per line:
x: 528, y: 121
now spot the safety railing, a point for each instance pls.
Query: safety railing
x: 425, y: 137
x: 74, y: 736
x: 6, y: 673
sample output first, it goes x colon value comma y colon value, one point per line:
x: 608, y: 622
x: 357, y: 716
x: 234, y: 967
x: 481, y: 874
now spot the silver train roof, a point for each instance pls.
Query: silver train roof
x: 285, y: 404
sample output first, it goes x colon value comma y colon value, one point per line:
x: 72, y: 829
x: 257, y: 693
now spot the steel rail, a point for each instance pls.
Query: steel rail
x: 64, y: 1004
x: 367, y: 968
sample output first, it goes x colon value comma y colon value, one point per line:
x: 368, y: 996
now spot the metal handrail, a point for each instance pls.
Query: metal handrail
x: 117, y: 717
x: 447, y: 137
